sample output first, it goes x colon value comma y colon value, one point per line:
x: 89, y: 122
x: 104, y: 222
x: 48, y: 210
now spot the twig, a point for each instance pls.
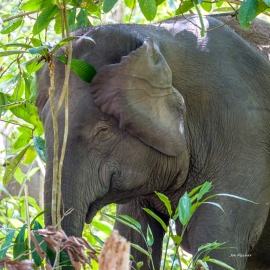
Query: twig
x: 20, y: 75
x: 28, y: 219
x: 25, y: 254
x: 10, y: 66
x: 17, y: 124
x: 24, y: 180
x: 21, y: 15
x: 199, y: 26
x: 56, y: 142
x: 69, y: 211
x: 16, y: 103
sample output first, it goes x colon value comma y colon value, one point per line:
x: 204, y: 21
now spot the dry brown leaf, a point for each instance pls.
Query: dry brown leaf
x: 86, y: 244
x: 75, y: 264
x: 13, y: 265
x: 48, y: 266
x: 39, y: 250
x: 51, y: 243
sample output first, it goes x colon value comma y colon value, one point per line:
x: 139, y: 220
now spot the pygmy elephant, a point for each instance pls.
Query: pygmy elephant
x: 167, y: 111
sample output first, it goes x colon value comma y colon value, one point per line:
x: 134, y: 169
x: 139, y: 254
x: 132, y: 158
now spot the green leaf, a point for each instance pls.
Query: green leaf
x: 148, y: 8
x: 108, y: 5
x: 195, y: 206
x: 206, y: 6
x: 140, y: 249
x: 166, y: 201
x: 150, y: 237
x: 22, y: 141
x: 219, y: 4
x: 203, y: 264
x: 28, y: 112
x: 45, y: 18
x: 19, y: 249
x: 177, y: 239
x: 71, y: 19
x: 267, y: 2
x: 216, y: 204
x: 204, y: 189
x: 247, y: 13
x: 39, y: 239
x: 81, y: 68
x: 2, y: 188
x: 184, y: 209
x: 123, y: 222
x: 33, y: 65
x: 221, y: 264
x: 11, y: 52
x: 82, y: 19
x: 234, y: 196
x: 139, y: 265
x: 35, y: 4
x: 23, y: 45
x: 90, y: 6
x: 20, y: 90
x: 98, y: 239
x: 185, y: 7
x: 36, y: 42
x: 194, y: 191
x: 40, y: 146
x: 159, y: 2
x: 130, y: 3
x: 66, y: 40
x: 38, y: 215
x: 132, y: 220
x: 156, y: 218
x: 104, y: 227
x: 30, y: 155
x: 3, y: 101
x: 36, y: 50
x: 262, y: 6
x: 7, y: 243
x: 200, y: 17
x: 13, y: 165
x: 3, y: 46
x: 11, y: 26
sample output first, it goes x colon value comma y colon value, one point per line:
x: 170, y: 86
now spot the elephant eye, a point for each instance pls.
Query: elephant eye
x: 100, y: 130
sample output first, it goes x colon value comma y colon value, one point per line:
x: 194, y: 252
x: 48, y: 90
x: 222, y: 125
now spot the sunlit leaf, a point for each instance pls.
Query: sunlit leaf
x: 140, y: 249
x: 23, y: 45
x: 148, y: 8
x: 156, y: 218
x: 11, y: 52
x: 13, y: 165
x: 11, y: 26
x: 204, y: 189
x: 166, y: 201
x: 130, y: 3
x: 123, y: 222
x: 216, y: 204
x: 132, y: 220
x: 45, y: 18
x: 36, y: 50
x: 185, y: 7
x: 221, y: 264
x: 15, y: 223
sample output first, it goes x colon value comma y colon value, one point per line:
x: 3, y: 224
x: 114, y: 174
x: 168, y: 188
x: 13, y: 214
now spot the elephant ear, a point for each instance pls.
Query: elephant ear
x: 138, y: 92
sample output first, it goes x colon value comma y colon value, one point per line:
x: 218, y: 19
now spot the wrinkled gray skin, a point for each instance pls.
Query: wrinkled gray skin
x: 177, y: 112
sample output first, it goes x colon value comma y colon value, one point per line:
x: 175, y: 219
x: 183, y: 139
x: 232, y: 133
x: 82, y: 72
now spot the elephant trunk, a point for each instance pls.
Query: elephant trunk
x: 73, y: 194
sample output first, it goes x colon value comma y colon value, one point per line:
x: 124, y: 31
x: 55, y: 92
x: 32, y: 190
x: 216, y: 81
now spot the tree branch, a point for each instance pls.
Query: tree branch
x: 21, y: 15
x: 17, y: 124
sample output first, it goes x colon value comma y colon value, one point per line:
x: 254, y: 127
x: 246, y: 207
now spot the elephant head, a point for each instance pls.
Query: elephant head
x: 127, y: 128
